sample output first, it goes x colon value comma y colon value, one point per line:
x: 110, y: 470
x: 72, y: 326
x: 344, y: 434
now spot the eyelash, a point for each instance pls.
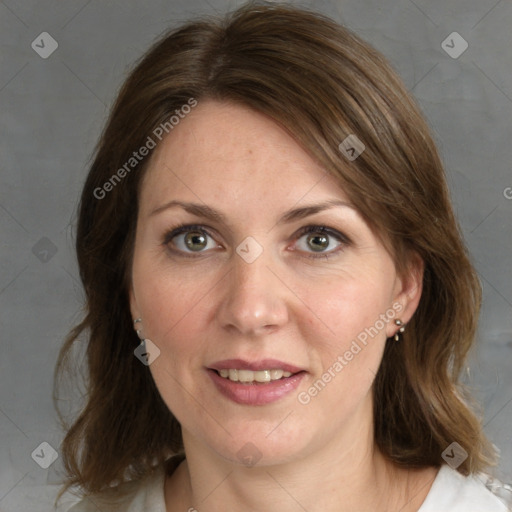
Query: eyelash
x: 185, y: 228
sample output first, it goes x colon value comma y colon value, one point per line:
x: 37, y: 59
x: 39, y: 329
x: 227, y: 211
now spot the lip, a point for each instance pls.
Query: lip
x: 263, y: 364
x: 256, y: 394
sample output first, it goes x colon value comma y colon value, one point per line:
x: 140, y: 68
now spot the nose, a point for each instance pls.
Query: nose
x: 254, y: 301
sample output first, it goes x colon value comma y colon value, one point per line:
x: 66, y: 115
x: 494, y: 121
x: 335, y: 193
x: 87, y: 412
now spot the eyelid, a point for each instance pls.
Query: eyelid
x: 320, y: 228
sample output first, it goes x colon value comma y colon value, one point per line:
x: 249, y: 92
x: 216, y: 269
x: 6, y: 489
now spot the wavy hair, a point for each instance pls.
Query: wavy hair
x: 321, y: 83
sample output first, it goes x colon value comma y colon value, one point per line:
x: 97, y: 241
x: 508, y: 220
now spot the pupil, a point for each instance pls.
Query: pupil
x: 195, y: 240
x: 320, y: 242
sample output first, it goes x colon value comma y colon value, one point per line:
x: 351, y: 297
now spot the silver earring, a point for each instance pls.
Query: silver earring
x: 138, y: 331
x: 400, y: 330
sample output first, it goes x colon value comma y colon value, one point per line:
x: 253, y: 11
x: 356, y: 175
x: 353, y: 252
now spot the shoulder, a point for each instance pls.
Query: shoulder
x: 146, y: 494
x: 453, y: 492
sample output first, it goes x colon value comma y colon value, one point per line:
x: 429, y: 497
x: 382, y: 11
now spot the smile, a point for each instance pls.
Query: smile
x: 249, y: 376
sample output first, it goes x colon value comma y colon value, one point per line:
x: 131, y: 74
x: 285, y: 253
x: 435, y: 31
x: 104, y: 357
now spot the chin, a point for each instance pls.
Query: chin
x: 262, y: 445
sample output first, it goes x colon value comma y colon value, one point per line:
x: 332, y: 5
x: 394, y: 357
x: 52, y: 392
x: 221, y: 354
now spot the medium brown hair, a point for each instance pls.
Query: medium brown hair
x: 321, y: 83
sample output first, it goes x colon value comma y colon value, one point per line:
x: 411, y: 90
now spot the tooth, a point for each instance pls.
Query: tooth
x: 248, y: 376
x: 276, y: 374
x: 262, y: 376
x: 245, y: 375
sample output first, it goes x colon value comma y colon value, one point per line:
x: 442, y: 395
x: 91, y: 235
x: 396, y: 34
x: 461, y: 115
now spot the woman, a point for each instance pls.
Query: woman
x: 279, y: 302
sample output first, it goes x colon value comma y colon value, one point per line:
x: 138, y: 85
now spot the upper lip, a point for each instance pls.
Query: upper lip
x: 263, y: 364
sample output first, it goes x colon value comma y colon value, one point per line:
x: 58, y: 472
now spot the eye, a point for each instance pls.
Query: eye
x: 318, y: 241
x: 321, y: 241
x: 189, y: 239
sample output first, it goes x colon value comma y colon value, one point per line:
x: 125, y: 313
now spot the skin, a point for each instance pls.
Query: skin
x: 285, y: 305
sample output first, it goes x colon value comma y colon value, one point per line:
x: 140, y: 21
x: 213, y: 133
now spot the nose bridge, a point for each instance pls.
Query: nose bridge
x: 253, y: 300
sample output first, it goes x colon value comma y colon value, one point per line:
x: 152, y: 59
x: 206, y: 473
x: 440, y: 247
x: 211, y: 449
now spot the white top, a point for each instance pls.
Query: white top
x: 450, y: 492
x: 453, y: 492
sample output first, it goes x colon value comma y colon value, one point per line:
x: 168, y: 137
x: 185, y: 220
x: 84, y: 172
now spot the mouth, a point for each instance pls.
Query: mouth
x: 256, y: 383
x: 254, y: 377
x: 255, y: 372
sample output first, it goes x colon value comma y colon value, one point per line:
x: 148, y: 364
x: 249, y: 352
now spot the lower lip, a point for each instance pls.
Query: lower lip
x: 259, y: 393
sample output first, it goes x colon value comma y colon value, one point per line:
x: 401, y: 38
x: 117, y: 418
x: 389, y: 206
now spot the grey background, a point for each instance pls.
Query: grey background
x: 52, y: 111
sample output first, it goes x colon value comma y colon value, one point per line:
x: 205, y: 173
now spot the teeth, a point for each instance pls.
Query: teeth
x: 248, y: 376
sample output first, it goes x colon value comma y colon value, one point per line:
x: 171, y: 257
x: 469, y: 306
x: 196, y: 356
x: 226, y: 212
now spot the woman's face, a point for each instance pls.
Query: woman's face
x: 247, y: 281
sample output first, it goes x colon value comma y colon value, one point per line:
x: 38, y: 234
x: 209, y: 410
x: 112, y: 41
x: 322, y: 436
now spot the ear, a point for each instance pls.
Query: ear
x: 407, y: 293
x: 134, y: 309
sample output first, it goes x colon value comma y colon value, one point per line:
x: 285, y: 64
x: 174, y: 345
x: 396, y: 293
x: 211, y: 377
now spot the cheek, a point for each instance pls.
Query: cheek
x: 347, y: 333
x: 348, y: 307
x: 174, y: 308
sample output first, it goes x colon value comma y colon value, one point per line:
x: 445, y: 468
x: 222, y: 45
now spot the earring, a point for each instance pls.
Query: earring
x: 400, y: 330
x: 138, y: 331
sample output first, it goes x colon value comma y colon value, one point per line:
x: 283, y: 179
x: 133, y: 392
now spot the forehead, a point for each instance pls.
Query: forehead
x: 224, y: 151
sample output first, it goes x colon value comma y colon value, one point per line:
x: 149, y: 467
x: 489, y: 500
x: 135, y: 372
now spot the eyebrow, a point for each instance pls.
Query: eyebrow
x: 202, y: 210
